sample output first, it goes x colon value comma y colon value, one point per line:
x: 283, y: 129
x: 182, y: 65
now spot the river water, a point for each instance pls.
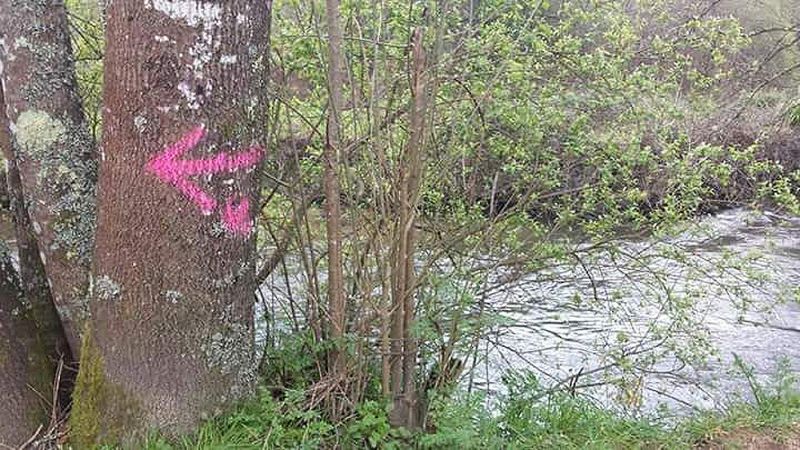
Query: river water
x: 648, y: 325
x: 657, y: 323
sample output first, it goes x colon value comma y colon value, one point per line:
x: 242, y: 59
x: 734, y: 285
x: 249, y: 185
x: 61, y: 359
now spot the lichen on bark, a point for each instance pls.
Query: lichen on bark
x: 52, y: 146
x: 36, y: 131
x: 106, y: 289
x: 53, y: 143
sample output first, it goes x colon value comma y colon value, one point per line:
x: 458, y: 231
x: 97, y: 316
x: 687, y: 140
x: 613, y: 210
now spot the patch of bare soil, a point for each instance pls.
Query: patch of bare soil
x: 745, y: 439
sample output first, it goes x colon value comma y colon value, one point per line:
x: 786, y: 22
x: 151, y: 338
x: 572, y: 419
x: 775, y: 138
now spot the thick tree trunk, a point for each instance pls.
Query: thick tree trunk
x: 26, y: 372
x: 53, y: 148
x: 172, y: 338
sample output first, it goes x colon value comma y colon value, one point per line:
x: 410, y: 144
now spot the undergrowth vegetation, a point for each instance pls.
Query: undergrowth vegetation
x: 526, y: 416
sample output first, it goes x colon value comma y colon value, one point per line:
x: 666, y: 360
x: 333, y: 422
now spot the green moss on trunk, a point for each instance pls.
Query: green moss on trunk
x: 102, y: 412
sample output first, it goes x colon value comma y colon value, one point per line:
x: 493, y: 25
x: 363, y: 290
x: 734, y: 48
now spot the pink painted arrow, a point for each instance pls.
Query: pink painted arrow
x: 236, y: 217
x: 169, y: 168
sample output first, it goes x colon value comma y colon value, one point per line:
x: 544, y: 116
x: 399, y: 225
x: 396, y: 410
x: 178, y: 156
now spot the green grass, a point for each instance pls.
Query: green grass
x: 519, y: 421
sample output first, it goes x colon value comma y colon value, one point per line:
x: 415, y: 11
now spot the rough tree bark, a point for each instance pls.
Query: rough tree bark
x: 53, y: 148
x: 25, y: 372
x: 32, y: 274
x: 31, y: 338
x: 171, y: 339
x: 33, y: 280
x: 336, y: 294
x: 405, y: 411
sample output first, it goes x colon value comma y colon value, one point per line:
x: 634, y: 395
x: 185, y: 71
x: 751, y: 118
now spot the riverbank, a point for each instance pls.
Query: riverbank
x: 754, y: 440
x: 520, y: 420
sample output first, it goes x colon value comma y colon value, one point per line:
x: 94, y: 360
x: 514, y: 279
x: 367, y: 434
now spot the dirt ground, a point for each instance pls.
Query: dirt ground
x: 753, y: 440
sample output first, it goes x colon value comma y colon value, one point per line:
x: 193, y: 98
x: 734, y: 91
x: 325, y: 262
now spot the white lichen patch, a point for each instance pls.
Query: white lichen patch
x: 36, y: 131
x: 193, y: 12
x: 140, y: 122
x: 173, y: 296
x: 227, y: 60
x: 189, y: 95
x: 251, y: 106
x: 168, y: 109
x: 202, y: 51
x: 21, y: 42
x: 106, y: 289
x: 228, y: 351
x: 161, y: 39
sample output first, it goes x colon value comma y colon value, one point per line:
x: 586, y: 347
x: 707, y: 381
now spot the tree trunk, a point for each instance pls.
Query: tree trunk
x: 53, y: 148
x: 31, y: 270
x: 26, y: 372
x: 405, y: 410
x: 172, y: 339
x: 336, y: 294
x: 35, y: 331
